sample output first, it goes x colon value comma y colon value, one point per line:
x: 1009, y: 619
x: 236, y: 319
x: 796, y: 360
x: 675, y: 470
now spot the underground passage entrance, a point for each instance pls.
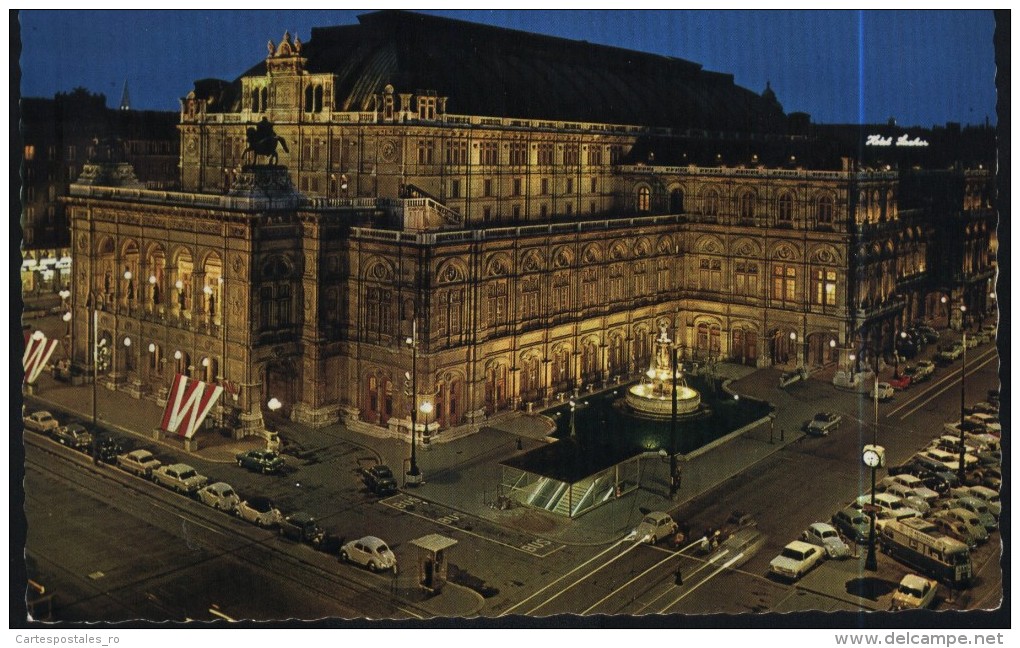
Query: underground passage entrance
x: 601, y: 448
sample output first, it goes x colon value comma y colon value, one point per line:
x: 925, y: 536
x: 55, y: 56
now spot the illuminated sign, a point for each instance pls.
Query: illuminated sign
x: 902, y: 140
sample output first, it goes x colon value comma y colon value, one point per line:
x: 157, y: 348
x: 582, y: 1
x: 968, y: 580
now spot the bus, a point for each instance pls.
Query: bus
x: 918, y: 543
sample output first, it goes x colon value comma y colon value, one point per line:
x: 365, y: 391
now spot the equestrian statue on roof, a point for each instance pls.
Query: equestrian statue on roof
x: 262, y: 141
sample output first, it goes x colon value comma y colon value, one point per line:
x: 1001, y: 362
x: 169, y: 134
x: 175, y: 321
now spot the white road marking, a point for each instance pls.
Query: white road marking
x: 579, y: 580
x: 710, y: 577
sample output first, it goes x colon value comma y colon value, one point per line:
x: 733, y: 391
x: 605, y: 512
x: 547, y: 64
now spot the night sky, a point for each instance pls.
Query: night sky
x: 920, y: 67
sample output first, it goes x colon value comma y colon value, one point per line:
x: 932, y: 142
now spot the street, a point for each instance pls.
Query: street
x: 117, y: 547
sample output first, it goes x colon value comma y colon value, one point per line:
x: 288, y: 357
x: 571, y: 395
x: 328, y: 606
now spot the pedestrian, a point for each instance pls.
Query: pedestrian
x: 679, y: 577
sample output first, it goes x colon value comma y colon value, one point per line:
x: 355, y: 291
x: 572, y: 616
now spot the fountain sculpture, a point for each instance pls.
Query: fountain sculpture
x: 652, y: 397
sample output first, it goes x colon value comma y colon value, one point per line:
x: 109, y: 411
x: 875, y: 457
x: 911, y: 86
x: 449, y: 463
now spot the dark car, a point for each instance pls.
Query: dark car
x: 302, y: 527
x: 108, y: 446
x: 74, y: 436
x: 263, y: 461
x: 927, y: 333
x: 379, y: 479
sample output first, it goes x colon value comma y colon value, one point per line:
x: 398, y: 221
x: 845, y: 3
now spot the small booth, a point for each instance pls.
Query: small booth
x: 432, y: 561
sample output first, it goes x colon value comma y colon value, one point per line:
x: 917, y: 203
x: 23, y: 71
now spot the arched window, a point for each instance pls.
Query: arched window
x: 676, y: 201
x: 318, y: 98
x: 644, y: 202
x: 309, y: 93
x: 785, y: 213
x: 711, y: 206
x: 255, y: 100
x: 275, y: 295
x: 265, y: 100
x: 746, y: 205
x: 824, y: 210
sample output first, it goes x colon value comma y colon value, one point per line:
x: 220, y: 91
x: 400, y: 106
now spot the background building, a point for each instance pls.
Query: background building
x: 530, y: 230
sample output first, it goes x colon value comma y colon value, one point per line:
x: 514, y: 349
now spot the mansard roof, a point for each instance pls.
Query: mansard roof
x: 499, y: 72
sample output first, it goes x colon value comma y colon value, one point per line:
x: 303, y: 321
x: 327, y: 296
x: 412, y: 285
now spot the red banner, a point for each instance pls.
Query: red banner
x: 37, y: 354
x: 187, y: 405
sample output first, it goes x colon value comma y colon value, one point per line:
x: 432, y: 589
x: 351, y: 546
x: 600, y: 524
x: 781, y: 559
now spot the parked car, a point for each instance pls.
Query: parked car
x: 139, y: 462
x: 948, y: 353
x: 975, y: 506
x: 989, y: 421
x: 41, y: 422
x: 379, y: 479
x: 971, y: 341
x: 220, y: 496
x: 263, y: 461
x: 987, y: 495
x: 259, y: 510
x: 907, y: 496
x: 884, y: 389
x: 891, y: 503
x: 796, y: 559
x: 914, y: 592
x: 74, y: 436
x: 825, y: 536
x: 900, y: 382
x: 927, y: 333
x: 654, y: 527
x: 923, y: 370
x: 302, y: 527
x: 179, y: 477
x: 853, y: 523
x: 991, y: 477
x: 960, y: 524
x: 983, y: 407
x: 369, y: 552
x: 109, y: 446
x: 823, y: 423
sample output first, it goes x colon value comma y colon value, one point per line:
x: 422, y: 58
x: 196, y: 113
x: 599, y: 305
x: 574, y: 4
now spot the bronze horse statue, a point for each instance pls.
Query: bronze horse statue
x: 262, y: 140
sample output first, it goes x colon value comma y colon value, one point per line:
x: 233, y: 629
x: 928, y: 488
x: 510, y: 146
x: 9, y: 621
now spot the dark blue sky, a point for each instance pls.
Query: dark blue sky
x: 921, y: 67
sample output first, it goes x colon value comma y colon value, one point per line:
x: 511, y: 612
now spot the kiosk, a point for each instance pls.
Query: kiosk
x: 432, y: 561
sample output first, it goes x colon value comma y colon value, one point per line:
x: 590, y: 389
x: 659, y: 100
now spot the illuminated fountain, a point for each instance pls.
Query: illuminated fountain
x: 652, y: 397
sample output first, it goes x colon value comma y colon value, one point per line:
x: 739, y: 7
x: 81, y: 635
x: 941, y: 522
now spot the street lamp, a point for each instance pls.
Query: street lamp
x: 944, y: 301
x: 413, y: 475
x: 853, y: 359
x: 963, y: 398
x: 426, y: 408
x: 896, y: 354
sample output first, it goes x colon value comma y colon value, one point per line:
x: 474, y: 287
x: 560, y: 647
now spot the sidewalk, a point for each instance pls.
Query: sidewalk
x: 463, y: 475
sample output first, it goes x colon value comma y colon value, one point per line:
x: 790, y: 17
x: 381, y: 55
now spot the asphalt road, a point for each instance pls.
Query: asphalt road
x: 116, y: 547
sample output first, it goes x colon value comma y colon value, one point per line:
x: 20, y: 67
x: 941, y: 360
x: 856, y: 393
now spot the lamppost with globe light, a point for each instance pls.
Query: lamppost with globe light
x: 413, y: 475
x: 793, y: 346
x: 963, y: 398
x: 272, y: 442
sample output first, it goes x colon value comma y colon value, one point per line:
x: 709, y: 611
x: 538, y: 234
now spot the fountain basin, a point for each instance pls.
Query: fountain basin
x: 648, y: 401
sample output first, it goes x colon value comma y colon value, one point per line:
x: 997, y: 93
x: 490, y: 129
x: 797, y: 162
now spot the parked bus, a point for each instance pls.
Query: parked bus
x: 917, y: 543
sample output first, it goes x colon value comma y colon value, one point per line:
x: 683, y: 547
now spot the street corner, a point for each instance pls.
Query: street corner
x: 454, y: 600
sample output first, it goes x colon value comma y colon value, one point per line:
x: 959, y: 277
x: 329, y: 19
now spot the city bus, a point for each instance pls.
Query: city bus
x: 918, y: 543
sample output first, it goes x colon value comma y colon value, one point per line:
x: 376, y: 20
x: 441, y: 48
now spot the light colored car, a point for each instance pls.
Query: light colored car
x: 986, y: 495
x: 990, y: 422
x: 960, y: 524
x: 914, y: 593
x: 823, y: 423
x: 41, y: 422
x: 139, y: 462
x: 975, y: 506
x: 970, y: 519
x: 923, y: 370
x: 369, y: 552
x: 908, y: 497
x: 825, y: 536
x: 891, y: 503
x: 179, y: 477
x: 220, y: 496
x: 916, y: 486
x: 884, y: 389
x: 796, y: 559
x: 259, y: 510
x: 654, y: 527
